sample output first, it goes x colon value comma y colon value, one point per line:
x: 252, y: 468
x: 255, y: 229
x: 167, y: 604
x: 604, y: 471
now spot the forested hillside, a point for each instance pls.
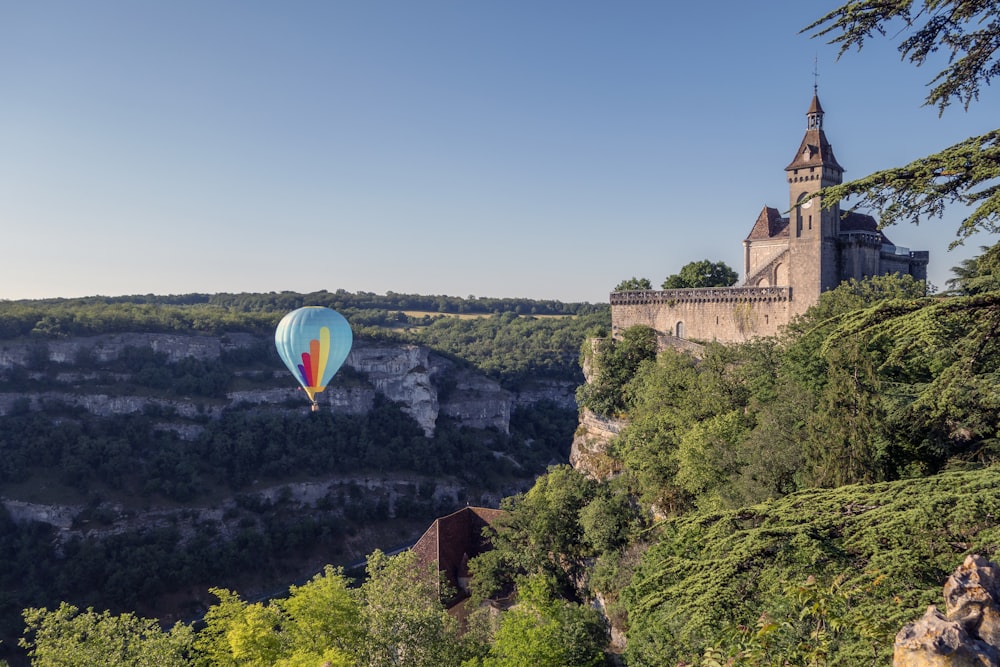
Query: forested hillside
x: 170, y: 486
x: 507, y: 338
x: 793, y: 499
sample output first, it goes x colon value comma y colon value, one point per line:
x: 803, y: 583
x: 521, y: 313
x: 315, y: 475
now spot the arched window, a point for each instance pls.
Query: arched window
x: 798, y: 212
x: 781, y: 274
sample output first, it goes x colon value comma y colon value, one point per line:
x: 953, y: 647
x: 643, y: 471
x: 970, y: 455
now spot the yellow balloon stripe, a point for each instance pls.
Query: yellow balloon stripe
x: 324, y: 354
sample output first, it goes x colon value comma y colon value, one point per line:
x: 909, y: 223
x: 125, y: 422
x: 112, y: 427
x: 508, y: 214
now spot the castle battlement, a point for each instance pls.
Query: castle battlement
x: 700, y: 295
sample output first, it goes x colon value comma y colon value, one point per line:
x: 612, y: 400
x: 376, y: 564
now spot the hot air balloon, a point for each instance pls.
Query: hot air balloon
x: 313, y: 342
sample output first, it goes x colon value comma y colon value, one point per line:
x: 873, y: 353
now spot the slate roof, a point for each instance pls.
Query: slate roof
x: 815, y: 150
x: 769, y: 225
x: 860, y: 222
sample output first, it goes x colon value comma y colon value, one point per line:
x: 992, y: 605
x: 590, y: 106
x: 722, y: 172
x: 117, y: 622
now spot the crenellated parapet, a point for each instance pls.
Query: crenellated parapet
x: 728, y: 314
x: 700, y: 295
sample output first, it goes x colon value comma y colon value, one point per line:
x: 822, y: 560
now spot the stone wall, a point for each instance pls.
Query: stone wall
x: 727, y: 314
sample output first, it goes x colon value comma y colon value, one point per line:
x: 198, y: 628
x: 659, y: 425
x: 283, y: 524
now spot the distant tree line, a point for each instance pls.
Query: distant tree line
x: 254, y: 312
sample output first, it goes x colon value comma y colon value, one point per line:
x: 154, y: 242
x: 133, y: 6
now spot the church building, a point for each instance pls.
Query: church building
x: 787, y: 262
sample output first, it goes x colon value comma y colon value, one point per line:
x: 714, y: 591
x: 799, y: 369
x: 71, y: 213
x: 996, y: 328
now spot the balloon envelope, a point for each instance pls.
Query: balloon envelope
x: 313, y: 342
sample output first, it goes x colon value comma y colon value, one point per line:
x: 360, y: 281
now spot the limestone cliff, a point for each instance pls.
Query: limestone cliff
x: 427, y: 385
x: 593, y: 436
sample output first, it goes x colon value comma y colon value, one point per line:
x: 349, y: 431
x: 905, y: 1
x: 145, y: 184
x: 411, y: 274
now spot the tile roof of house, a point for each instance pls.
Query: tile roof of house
x: 452, y: 540
x: 769, y: 225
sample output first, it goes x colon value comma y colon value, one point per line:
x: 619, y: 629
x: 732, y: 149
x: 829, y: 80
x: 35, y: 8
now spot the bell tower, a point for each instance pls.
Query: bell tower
x: 812, y: 229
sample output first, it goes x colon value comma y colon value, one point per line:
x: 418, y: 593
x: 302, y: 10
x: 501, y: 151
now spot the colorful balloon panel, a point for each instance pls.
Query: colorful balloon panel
x: 313, y: 342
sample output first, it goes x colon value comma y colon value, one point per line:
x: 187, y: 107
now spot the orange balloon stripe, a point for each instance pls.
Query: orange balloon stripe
x: 314, y: 361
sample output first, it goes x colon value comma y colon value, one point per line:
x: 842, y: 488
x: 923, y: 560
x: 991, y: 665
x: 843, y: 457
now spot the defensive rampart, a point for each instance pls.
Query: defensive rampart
x: 726, y: 314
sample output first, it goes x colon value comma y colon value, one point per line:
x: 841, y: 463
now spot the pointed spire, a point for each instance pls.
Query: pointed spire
x: 815, y: 150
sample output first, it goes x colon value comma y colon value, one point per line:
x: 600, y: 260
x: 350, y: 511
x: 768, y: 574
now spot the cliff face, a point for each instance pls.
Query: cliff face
x: 593, y: 436
x: 426, y: 385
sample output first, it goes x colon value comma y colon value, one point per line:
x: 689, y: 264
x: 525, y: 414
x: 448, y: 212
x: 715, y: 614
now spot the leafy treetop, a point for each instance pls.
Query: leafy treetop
x: 632, y: 284
x: 702, y: 274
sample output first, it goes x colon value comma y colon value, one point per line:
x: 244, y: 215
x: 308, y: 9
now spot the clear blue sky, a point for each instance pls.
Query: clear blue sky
x: 504, y: 148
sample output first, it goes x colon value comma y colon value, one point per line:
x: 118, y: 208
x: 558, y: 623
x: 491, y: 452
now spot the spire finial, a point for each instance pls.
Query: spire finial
x: 816, y: 74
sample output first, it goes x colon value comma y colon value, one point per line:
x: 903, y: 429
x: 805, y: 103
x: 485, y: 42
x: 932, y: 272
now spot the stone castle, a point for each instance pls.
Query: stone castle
x: 787, y: 262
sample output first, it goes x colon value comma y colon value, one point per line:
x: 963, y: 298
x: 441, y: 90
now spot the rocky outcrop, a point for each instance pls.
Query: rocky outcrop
x: 60, y: 516
x: 588, y: 454
x: 968, y: 633
x: 104, y: 405
x: 73, y: 521
x: 405, y: 374
x: 557, y: 392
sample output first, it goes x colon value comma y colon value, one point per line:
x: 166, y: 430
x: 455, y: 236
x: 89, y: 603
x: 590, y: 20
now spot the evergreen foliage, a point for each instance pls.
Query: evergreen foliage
x: 968, y: 31
x: 615, y: 362
x: 788, y: 501
x: 544, y: 630
x: 139, y: 458
x: 875, y: 555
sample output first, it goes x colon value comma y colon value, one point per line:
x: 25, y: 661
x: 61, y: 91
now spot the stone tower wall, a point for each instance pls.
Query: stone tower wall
x: 859, y: 255
x: 728, y: 315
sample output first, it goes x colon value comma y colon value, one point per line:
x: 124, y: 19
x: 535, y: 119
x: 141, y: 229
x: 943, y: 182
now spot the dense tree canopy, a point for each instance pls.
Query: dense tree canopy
x: 614, y: 361
x: 703, y: 273
x: 978, y: 274
x: 633, y: 284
